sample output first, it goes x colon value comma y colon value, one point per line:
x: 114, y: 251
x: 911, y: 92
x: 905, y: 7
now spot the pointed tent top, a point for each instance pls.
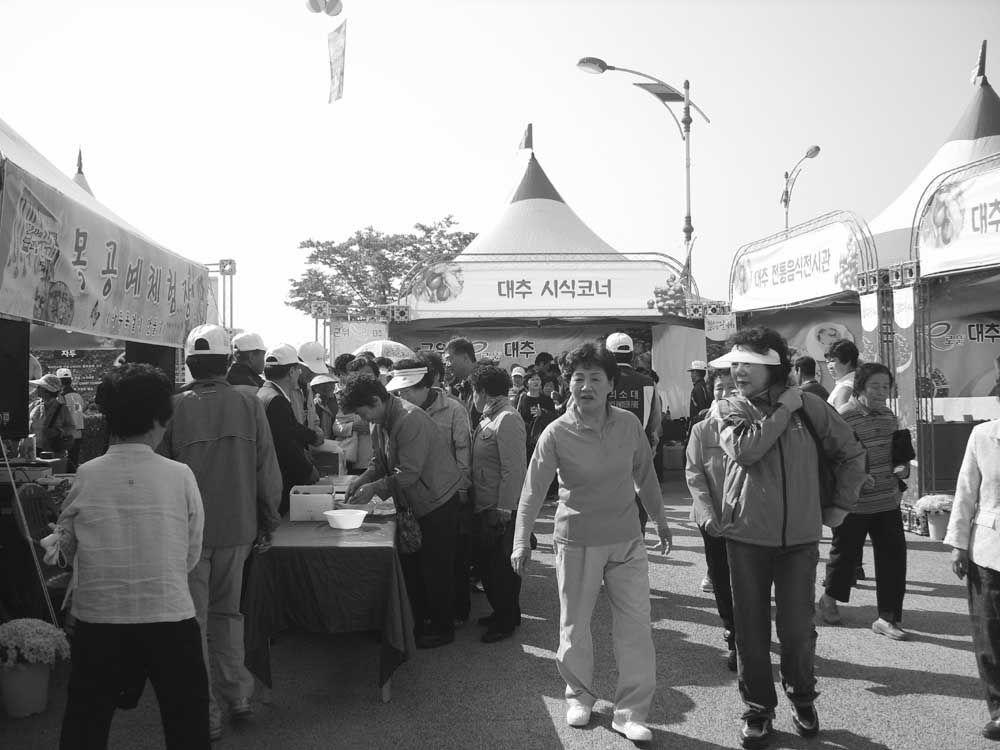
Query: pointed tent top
x: 976, y: 135
x: 80, y: 178
x: 537, y: 225
x: 535, y: 184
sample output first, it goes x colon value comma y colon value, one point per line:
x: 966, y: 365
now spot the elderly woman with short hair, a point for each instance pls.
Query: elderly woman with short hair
x: 602, y: 458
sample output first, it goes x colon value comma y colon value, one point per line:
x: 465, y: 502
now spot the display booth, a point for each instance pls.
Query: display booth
x: 803, y: 282
x: 71, y: 273
x: 940, y: 295
x: 541, y: 280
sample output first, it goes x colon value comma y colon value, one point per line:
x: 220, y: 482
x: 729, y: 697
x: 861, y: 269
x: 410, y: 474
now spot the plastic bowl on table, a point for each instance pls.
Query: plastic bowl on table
x: 345, y: 518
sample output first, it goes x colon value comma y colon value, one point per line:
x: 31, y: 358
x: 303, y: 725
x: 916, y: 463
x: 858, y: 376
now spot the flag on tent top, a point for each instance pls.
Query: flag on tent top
x: 338, y: 43
x: 527, y: 142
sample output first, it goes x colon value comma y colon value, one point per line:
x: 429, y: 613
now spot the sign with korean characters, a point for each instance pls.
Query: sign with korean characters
x: 508, y: 346
x: 812, y: 265
x: 960, y: 227
x: 488, y: 289
x: 65, y: 265
x: 348, y: 335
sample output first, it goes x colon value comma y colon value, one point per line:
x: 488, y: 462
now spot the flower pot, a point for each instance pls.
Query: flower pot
x: 937, y: 525
x: 25, y: 689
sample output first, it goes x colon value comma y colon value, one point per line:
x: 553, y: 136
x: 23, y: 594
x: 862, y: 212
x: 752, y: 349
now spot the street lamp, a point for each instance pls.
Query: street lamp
x: 667, y: 95
x: 792, y: 176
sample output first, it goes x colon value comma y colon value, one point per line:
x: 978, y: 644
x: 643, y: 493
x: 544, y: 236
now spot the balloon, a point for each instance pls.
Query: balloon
x: 333, y: 7
x: 316, y: 6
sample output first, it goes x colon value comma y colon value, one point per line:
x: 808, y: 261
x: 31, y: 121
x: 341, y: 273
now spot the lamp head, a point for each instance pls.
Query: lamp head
x: 812, y: 152
x: 593, y: 65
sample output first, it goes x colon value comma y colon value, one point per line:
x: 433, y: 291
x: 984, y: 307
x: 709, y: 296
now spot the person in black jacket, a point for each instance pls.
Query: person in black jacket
x: 291, y: 437
x: 248, y: 360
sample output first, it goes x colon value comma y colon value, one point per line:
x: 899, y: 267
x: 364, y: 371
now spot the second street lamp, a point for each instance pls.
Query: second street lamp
x: 792, y: 176
x: 667, y: 95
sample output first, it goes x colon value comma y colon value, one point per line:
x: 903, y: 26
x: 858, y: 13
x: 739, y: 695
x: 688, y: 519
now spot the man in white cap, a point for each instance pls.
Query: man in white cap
x: 636, y: 393
x: 701, y: 398
x: 517, y: 374
x: 74, y: 402
x: 221, y: 432
x: 282, y: 369
x: 312, y: 356
x: 248, y: 361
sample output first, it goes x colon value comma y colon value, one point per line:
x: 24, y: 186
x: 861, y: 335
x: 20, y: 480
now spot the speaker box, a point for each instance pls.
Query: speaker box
x: 14, y: 336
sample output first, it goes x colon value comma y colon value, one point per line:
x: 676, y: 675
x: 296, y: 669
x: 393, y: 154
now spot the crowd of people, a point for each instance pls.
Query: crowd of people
x: 469, y: 452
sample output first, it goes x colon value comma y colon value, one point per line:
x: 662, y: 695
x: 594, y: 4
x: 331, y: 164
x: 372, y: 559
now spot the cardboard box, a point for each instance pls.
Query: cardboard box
x: 307, y: 503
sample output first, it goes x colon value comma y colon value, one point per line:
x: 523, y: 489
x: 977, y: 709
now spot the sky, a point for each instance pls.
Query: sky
x: 206, y: 125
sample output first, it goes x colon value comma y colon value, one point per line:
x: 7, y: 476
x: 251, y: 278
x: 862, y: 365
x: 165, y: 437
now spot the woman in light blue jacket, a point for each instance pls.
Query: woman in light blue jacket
x: 974, y: 537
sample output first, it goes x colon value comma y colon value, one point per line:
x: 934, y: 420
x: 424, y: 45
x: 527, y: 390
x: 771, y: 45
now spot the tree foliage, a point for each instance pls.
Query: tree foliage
x: 369, y: 267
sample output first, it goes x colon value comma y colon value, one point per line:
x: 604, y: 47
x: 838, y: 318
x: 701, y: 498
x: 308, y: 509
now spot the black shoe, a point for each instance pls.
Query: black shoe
x: 992, y: 730
x: 754, y: 732
x: 487, y: 620
x: 433, y: 640
x: 492, y: 636
x: 731, y: 661
x: 806, y: 720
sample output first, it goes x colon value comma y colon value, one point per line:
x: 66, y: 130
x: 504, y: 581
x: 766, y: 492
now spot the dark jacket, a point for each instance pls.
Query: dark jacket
x: 411, y: 462
x: 241, y: 373
x: 771, y: 495
x: 290, y: 440
x: 815, y: 388
x: 221, y: 432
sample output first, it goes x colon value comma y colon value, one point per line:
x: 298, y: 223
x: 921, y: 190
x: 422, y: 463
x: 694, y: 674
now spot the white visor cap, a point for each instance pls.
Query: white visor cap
x: 405, y: 378
x: 746, y: 356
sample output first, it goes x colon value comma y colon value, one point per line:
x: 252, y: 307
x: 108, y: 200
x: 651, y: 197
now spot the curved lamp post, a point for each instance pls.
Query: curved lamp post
x: 791, y: 176
x: 667, y: 95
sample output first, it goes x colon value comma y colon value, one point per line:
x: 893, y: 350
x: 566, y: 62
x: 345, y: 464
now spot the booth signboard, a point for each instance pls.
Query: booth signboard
x: 795, y: 268
x: 508, y: 346
x: 960, y: 227
x: 66, y: 265
x: 347, y: 335
x: 487, y: 289
x: 718, y: 329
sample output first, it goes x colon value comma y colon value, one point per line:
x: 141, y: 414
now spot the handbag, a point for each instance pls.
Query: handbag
x: 409, y: 538
x: 902, y: 453
x: 827, y: 476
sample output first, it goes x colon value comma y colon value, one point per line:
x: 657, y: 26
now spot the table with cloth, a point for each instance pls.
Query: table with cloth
x: 323, y: 580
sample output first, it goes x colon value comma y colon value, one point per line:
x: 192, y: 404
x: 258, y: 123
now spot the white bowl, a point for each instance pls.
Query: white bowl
x: 344, y: 518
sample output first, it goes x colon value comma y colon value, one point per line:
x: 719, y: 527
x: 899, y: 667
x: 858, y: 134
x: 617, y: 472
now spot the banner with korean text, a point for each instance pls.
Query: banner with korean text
x: 65, y: 265
x: 489, y: 289
x: 812, y: 265
x: 960, y: 228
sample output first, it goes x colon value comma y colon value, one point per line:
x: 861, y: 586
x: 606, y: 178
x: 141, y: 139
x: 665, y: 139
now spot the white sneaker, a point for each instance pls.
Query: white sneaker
x: 633, y: 730
x: 577, y: 715
x: 706, y: 585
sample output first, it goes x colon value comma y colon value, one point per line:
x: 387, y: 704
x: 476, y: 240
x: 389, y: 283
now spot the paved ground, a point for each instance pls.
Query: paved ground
x: 875, y: 693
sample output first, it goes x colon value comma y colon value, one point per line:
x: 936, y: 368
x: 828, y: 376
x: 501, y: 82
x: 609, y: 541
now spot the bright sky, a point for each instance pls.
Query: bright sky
x: 205, y: 123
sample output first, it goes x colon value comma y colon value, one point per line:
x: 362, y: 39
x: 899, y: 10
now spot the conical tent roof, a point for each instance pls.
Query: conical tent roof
x: 976, y: 135
x: 537, y: 225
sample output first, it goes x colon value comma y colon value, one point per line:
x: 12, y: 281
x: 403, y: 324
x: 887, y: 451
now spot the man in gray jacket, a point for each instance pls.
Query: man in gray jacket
x: 412, y: 464
x: 221, y: 432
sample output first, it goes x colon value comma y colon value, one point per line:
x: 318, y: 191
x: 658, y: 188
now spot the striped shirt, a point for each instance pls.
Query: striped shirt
x: 874, y: 428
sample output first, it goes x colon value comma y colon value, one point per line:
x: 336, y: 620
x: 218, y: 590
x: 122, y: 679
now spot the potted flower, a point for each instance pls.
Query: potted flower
x: 937, y: 510
x: 28, y: 649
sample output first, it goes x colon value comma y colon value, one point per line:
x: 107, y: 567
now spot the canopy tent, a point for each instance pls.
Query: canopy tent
x: 538, y: 280
x: 975, y: 136
x: 66, y: 260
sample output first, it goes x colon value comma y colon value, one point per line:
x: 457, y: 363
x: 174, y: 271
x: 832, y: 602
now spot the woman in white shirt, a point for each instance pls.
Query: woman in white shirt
x: 842, y: 361
x: 975, y: 541
x: 132, y: 529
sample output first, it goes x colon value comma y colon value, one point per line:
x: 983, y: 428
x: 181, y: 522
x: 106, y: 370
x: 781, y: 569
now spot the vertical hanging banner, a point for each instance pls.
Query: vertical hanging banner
x: 338, y: 43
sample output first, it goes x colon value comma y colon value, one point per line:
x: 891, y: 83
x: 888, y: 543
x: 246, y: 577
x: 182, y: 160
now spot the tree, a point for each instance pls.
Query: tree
x: 368, y: 269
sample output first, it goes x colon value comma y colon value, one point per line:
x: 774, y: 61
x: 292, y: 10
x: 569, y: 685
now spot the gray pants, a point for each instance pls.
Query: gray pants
x: 624, y: 570
x: 216, y: 583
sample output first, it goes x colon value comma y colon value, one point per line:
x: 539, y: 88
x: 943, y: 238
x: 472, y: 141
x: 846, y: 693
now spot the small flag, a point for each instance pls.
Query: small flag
x: 527, y: 142
x: 686, y: 278
x: 338, y: 43
x: 980, y: 70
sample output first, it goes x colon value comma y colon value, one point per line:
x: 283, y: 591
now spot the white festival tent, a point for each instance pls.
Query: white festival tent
x: 976, y: 135
x: 539, y: 279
